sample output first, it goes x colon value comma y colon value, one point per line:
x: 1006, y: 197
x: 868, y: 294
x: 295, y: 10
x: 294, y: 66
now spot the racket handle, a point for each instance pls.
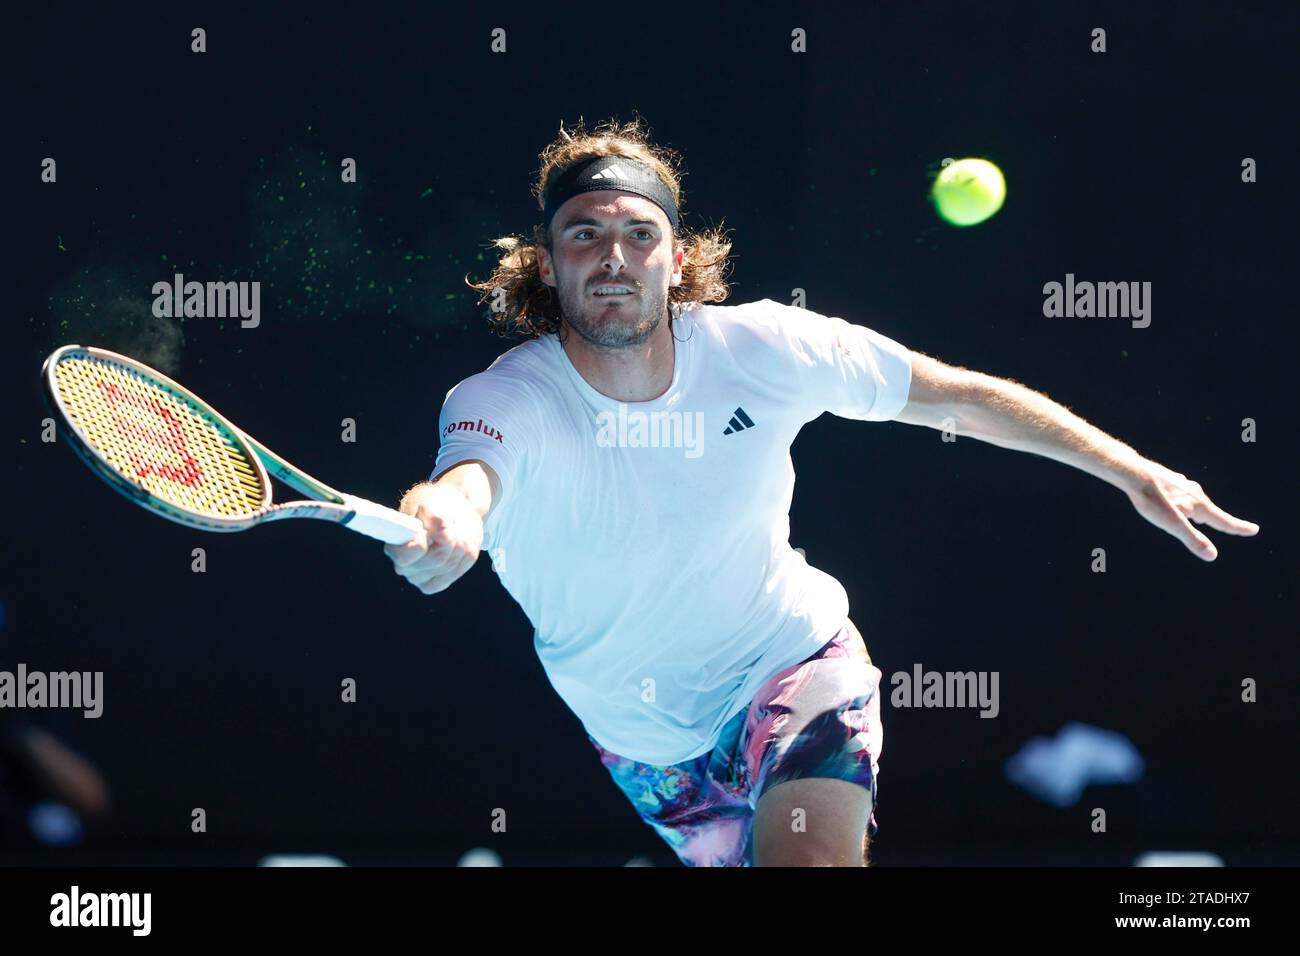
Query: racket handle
x: 384, y: 524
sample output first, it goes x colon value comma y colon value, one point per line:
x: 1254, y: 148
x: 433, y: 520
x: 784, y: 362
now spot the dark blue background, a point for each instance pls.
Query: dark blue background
x: 222, y: 689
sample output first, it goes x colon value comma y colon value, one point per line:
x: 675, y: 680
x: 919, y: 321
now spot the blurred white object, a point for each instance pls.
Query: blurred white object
x: 300, y: 859
x: 1177, y: 858
x: 480, y: 857
x: 1057, y: 769
x: 639, y: 861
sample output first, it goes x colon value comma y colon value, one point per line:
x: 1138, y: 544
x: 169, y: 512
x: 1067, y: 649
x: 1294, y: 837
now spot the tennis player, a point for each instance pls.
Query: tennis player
x: 628, y: 469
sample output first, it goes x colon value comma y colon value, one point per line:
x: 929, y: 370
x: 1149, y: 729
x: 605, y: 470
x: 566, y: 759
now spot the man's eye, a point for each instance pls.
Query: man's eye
x: 644, y: 233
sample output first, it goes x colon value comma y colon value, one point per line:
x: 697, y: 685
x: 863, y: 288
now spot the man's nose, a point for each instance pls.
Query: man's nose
x: 613, y: 257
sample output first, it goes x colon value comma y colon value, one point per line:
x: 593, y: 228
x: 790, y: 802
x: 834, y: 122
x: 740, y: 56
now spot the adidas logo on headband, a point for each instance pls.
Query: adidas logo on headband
x: 611, y: 172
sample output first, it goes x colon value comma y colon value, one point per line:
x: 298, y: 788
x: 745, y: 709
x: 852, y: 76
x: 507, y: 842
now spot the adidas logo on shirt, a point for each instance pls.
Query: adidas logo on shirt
x: 610, y: 172
x: 739, y: 422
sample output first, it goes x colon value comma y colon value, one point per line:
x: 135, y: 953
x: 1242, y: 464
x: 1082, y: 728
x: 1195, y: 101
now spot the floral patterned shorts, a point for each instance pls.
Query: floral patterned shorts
x: 817, y: 718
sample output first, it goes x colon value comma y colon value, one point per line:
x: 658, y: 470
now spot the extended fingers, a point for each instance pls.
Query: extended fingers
x: 1206, y: 512
x: 1171, y: 519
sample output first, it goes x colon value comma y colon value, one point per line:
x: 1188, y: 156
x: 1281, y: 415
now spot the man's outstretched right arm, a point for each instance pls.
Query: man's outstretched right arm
x: 452, y: 510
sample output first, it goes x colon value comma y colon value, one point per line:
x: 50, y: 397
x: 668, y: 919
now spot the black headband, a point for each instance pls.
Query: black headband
x: 608, y: 172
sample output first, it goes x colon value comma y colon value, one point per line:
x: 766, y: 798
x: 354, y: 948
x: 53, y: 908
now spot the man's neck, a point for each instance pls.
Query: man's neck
x: 638, y: 373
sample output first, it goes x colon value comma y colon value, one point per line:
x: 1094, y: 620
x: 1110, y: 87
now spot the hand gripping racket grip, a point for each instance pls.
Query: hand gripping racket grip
x: 385, y: 524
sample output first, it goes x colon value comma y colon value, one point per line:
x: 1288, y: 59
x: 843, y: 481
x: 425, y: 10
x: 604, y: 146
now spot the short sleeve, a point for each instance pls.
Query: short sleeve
x: 845, y: 369
x: 486, y: 418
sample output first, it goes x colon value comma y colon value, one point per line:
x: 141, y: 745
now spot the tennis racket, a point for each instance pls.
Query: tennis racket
x: 169, y: 451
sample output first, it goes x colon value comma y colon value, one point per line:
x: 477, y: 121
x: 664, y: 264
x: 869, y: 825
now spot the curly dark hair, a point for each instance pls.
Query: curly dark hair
x: 521, y: 304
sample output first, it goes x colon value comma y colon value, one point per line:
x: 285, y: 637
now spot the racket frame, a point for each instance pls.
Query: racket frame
x: 326, y: 503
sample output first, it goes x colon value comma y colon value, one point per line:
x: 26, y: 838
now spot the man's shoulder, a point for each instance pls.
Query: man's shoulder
x: 750, y: 330
x: 761, y: 311
x: 533, y: 355
x: 510, y: 400
x: 519, y: 366
x: 762, y: 319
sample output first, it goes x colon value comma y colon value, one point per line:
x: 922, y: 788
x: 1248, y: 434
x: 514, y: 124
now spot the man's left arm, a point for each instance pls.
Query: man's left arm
x: 1008, y: 414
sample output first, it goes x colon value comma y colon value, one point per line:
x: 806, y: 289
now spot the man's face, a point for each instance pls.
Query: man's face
x: 606, y: 241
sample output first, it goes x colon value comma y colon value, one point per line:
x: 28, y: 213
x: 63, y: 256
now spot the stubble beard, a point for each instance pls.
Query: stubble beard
x: 613, y: 329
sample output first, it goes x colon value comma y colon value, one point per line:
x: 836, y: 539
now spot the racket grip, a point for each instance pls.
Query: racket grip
x: 384, y: 524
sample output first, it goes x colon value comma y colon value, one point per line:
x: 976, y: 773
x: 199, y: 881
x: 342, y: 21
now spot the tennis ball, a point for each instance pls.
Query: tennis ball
x: 968, y: 191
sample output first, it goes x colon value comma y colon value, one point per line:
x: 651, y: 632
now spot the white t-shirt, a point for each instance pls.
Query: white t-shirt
x: 648, y: 542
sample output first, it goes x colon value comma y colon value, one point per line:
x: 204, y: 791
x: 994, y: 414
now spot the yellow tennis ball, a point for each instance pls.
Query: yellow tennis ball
x: 969, y: 191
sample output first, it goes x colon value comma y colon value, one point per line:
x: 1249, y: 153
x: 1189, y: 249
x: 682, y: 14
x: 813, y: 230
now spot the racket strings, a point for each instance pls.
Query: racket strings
x: 158, y: 439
